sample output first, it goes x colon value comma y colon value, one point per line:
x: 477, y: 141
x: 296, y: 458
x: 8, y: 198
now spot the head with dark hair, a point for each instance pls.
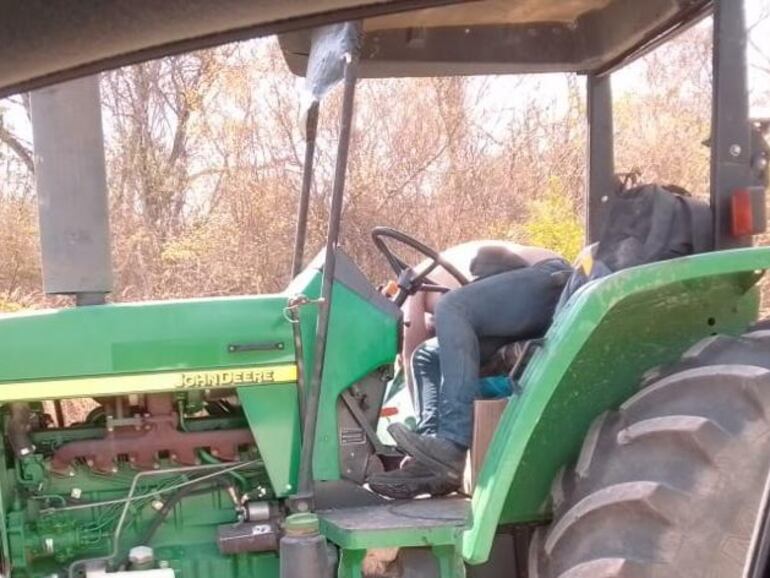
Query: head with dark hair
x: 493, y: 260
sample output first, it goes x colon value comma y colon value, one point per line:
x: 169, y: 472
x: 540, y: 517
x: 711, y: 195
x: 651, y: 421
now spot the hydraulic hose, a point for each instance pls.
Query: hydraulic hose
x: 168, y: 506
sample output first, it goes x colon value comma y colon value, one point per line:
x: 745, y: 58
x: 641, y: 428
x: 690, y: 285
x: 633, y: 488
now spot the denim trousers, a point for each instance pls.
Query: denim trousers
x: 471, y: 323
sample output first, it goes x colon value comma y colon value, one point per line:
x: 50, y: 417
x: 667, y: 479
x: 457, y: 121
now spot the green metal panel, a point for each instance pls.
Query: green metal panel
x: 439, y: 521
x: 142, y: 337
x: 362, y: 338
x: 594, y: 355
x: 402, y: 538
x: 436, y: 524
x: 273, y: 414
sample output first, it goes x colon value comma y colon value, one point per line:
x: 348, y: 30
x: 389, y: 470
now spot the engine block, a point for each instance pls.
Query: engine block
x: 169, y: 472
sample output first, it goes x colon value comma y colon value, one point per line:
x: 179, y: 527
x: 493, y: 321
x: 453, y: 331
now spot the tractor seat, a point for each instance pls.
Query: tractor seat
x: 504, y: 359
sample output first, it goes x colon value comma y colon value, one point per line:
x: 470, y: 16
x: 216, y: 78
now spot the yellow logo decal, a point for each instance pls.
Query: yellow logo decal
x: 227, y: 378
x: 95, y: 386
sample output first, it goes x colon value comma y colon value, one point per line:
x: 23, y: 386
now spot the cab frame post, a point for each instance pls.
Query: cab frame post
x: 311, y: 131
x: 600, y: 181
x: 730, y: 128
x: 304, y: 498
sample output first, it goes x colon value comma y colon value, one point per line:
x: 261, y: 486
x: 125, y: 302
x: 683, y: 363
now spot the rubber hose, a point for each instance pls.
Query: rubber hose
x: 168, y: 506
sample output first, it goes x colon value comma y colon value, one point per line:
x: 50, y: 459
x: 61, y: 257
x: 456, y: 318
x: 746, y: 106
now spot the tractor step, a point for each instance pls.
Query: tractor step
x: 436, y: 523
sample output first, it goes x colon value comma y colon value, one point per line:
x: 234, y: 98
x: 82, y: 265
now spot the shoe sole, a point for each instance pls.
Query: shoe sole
x: 405, y: 490
x: 395, y: 491
x: 404, y: 442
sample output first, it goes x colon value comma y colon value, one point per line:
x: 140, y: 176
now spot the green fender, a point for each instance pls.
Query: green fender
x: 592, y: 359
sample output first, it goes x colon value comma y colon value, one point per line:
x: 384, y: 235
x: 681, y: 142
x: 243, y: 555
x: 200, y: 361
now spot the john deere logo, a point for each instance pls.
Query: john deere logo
x: 146, y: 382
x: 230, y: 378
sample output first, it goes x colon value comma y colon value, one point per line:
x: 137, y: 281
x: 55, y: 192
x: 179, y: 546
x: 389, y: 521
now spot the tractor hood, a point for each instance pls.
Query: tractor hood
x: 188, y: 344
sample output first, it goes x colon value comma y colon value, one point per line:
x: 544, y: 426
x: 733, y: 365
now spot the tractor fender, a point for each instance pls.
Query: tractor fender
x: 593, y: 358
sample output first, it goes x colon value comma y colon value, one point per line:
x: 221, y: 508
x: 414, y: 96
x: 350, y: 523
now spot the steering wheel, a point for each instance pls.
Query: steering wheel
x: 410, y: 281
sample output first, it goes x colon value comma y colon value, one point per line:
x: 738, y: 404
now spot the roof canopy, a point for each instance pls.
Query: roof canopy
x: 510, y: 36
x: 46, y: 41
x: 43, y: 42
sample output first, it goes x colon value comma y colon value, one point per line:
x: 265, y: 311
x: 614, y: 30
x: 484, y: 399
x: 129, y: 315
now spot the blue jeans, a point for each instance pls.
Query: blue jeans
x: 471, y: 323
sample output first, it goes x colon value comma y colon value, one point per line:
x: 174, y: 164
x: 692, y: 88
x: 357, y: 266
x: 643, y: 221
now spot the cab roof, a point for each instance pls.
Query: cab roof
x: 511, y: 36
x: 45, y: 41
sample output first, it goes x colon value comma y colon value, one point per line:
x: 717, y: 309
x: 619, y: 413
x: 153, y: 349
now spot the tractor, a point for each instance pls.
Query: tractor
x: 233, y: 437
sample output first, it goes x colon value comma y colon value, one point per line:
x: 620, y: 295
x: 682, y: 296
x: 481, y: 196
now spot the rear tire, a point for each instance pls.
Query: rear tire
x: 669, y: 485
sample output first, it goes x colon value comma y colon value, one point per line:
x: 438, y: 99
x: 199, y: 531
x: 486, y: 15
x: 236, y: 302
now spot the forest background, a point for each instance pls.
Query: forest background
x: 204, y: 162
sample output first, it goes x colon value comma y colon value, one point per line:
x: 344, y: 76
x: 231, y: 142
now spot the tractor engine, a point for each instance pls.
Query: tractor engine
x: 153, y: 482
x: 166, y: 438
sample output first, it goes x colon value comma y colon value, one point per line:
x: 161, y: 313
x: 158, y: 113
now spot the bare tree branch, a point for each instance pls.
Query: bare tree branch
x: 23, y: 153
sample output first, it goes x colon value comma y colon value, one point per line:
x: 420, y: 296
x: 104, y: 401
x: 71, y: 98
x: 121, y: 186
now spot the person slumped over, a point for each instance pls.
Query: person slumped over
x: 513, y: 297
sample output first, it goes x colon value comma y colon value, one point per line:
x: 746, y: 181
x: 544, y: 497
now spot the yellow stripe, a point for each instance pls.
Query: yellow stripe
x: 147, y: 382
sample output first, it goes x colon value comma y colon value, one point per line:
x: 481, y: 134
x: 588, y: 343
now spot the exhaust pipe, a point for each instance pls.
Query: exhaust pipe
x: 72, y: 190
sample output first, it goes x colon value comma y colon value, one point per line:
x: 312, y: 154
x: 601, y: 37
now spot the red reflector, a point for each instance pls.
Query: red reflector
x: 388, y: 411
x: 743, y: 215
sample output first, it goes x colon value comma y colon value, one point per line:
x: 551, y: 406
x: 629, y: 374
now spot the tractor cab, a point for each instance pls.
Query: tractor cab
x: 235, y: 436
x: 590, y: 38
x: 561, y: 377
x: 630, y: 326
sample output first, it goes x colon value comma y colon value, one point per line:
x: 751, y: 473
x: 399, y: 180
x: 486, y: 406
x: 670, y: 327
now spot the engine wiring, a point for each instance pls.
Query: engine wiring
x: 222, y: 469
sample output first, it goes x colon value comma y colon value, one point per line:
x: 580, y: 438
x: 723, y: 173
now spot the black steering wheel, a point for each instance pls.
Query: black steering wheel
x: 409, y: 281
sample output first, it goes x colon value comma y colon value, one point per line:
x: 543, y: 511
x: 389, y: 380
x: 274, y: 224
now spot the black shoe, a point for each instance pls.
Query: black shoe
x: 444, y: 456
x: 411, y: 480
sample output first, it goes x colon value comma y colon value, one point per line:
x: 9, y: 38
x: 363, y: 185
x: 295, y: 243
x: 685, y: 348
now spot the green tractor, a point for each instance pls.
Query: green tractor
x: 232, y: 437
